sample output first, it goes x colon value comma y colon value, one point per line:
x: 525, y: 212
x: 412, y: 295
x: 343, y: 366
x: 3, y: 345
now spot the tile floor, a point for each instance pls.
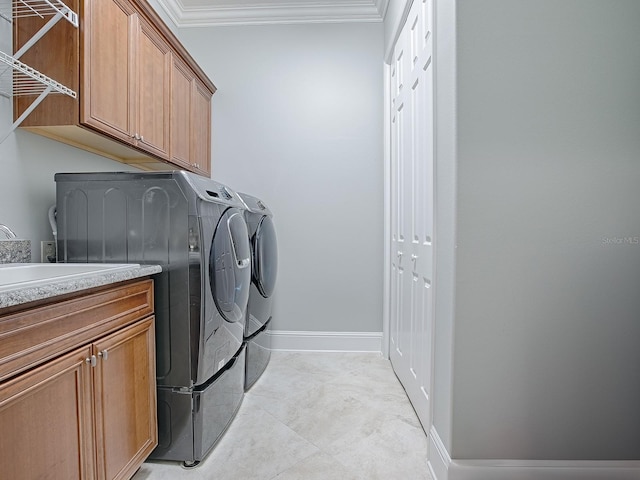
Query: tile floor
x: 311, y: 416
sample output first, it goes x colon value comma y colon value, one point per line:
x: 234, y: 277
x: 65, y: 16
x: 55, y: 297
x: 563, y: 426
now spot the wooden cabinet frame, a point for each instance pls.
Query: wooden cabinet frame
x: 77, y: 389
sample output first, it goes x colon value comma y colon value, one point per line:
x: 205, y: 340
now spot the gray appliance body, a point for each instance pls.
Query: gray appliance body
x: 264, y: 272
x: 194, y: 228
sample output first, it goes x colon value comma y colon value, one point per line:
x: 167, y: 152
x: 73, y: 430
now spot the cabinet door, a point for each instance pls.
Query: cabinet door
x: 107, y: 67
x: 125, y: 400
x: 48, y: 412
x: 153, y: 65
x: 201, y: 129
x: 181, y: 81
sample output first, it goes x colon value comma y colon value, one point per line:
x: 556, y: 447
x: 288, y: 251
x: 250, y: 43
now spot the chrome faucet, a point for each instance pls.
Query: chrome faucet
x: 7, y: 231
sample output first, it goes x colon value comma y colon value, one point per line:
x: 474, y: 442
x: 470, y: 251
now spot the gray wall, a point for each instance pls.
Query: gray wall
x: 547, y: 330
x: 297, y: 121
x: 28, y: 163
x: 445, y: 65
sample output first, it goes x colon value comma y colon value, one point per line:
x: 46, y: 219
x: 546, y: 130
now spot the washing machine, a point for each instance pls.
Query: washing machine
x: 196, y: 230
x: 264, y: 272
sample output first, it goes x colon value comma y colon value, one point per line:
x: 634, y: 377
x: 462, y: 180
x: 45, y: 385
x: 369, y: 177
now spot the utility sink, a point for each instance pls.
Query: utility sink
x: 26, y: 275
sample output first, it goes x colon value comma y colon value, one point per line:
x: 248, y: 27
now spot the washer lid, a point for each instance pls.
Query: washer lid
x: 265, y: 257
x: 230, y: 265
x: 254, y: 204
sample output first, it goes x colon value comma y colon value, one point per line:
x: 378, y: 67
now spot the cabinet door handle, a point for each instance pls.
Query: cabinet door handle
x: 104, y: 354
x: 92, y: 360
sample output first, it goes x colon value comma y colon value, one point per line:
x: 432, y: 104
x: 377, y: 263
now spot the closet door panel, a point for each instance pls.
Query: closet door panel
x: 412, y: 208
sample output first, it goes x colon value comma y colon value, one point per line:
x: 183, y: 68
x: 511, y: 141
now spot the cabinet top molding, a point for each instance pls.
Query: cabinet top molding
x: 156, y: 20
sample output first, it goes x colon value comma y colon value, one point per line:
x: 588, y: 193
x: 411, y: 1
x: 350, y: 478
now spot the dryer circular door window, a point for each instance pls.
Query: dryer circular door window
x: 230, y: 265
x: 265, y: 257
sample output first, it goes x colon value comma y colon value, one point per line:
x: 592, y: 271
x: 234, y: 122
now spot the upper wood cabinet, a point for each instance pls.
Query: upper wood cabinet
x: 126, y: 77
x: 140, y: 94
x: 201, y: 128
x: 181, y: 113
x: 107, y: 90
x: 190, y: 120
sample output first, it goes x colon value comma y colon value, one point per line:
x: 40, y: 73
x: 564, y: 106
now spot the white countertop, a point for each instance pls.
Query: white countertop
x: 31, y: 287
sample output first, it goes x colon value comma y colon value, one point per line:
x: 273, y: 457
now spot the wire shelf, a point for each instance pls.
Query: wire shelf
x: 28, y: 81
x: 19, y: 79
x: 42, y: 9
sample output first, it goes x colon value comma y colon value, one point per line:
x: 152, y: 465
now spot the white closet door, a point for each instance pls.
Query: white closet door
x: 412, y: 207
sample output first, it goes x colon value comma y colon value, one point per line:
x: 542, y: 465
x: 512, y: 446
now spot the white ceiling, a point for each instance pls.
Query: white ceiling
x: 197, y: 13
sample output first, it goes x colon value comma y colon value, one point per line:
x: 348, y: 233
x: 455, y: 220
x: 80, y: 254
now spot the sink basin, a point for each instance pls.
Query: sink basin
x: 25, y: 275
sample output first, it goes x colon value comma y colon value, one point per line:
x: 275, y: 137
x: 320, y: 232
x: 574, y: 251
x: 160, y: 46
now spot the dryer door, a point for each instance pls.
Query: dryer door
x: 230, y: 265
x: 265, y: 257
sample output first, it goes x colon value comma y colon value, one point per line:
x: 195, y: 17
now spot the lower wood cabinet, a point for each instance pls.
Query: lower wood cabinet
x: 124, y: 400
x: 46, y: 421
x: 87, y: 414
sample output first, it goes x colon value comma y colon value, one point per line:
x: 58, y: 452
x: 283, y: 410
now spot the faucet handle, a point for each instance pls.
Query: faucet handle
x: 7, y: 231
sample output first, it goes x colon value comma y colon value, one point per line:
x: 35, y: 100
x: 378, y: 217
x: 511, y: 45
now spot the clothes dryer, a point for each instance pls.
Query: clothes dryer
x: 264, y: 272
x: 195, y: 229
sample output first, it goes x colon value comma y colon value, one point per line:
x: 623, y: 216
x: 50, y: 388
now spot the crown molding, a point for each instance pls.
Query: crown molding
x: 382, y: 6
x: 276, y: 12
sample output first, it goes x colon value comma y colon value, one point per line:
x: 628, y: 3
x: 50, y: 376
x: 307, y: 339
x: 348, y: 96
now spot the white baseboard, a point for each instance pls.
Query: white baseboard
x: 442, y: 467
x: 326, y: 341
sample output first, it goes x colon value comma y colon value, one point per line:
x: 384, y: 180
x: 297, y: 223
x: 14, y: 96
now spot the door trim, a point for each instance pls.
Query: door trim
x: 386, y: 285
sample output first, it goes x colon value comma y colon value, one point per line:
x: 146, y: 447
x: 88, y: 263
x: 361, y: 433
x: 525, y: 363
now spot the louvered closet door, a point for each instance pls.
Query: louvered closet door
x: 412, y: 207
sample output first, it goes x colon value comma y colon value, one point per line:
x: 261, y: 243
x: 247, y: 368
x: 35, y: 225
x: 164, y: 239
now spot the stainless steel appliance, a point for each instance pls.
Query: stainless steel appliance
x: 195, y: 229
x: 264, y: 272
